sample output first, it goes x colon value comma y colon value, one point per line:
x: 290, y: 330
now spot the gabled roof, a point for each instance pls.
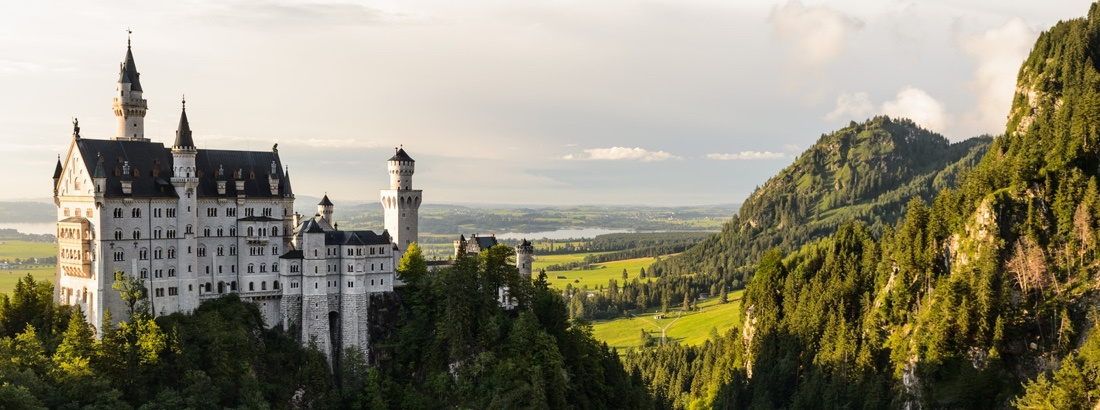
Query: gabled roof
x: 401, y: 156
x: 485, y: 242
x: 294, y: 254
x: 128, y: 73
x: 325, y: 201
x: 152, y: 161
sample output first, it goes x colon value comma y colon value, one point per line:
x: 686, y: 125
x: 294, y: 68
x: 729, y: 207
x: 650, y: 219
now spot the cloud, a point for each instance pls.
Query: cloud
x: 855, y: 106
x: 998, y: 52
x: 281, y: 14
x: 621, y: 153
x: 917, y: 105
x: 321, y: 143
x: 812, y: 35
x: 746, y: 155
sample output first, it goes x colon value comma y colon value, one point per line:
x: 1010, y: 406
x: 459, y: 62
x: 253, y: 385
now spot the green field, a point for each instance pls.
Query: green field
x: 11, y: 249
x: 593, y: 278
x: 690, y: 329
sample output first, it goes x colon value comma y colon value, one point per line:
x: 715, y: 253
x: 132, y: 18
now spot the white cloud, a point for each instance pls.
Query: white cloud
x: 812, y: 35
x: 851, y: 106
x: 622, y: 153
x: 746, y: 155
x: 917, y: 105
x: 998, y: 52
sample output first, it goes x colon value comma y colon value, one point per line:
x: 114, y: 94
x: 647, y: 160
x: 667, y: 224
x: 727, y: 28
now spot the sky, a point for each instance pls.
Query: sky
x: 537, y: 102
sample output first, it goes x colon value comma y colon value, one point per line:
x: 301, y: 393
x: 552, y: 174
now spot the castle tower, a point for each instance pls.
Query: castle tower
x: 401, y: 203
x: 129, y: 106
x: 525, y: 255
x: 185, y: 180
x: 325, y: 208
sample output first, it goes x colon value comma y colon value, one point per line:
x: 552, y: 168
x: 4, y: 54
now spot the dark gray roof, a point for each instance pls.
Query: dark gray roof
x: 401, y: 156
x: 183, y: 132
x: 325, y: 201
x: 310, y: 226
x: 99, y: 172
x: 128, y: 73
x: 294, y: 254
x: 152, y: 162
x: 57, y: 170
x: 485, y: 242
x: 524, y: 243
x: 356, y: 238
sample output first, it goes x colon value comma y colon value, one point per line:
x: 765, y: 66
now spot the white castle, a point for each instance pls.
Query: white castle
x: 195, y: 224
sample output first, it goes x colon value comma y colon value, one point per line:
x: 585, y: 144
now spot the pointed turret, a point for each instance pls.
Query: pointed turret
x: 128, y: 73
x: 57, y: 170
x: 183, y: 132
x: 99, y: 176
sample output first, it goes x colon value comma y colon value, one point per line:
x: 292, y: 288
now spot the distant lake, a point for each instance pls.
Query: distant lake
x: 562, y: 234
x: 38, y: 228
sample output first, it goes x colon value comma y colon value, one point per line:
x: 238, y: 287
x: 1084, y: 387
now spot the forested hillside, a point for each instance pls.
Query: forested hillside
x: 986, y: 297
x: 865, y: 172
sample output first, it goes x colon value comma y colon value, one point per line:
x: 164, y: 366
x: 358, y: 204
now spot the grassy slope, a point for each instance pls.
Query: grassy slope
x: 10, y: 249
x: 691, y: 329
x: 595, y: 277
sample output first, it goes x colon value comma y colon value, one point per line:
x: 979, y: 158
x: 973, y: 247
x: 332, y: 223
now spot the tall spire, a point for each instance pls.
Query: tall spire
x: 128, y: 73
x: 183, y: 132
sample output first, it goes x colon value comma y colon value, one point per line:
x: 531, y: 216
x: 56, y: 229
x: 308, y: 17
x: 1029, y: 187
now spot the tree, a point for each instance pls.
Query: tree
x: 625, y: 275
x: 412, y: 267
x: 133, y: 292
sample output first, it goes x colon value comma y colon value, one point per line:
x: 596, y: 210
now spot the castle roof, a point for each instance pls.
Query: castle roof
x: 401, y: 156
x: 57, y: 170
x: 325, y: 201
x: 356, y: 238
x: 294, y: 254
x: 152, y: 164
x: 128, y: 72
x: 183, y: 132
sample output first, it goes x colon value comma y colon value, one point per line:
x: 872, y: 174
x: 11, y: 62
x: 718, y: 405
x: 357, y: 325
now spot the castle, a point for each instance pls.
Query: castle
x: 195, y: 224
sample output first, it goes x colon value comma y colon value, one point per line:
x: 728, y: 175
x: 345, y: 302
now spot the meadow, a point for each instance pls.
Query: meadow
x: 691, y: 328
x: 12, y: 249
x: 597, y: 275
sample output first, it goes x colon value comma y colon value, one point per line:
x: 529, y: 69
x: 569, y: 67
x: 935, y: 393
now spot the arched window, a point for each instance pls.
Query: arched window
x: 144, y: 273
x: 274, y: 267
x: 118, y: 234
x: 275, y: 285
x: 250, y: 231
x: 275, y: 231
x: 135, y: 213
x: 251, y: 286
x: 137, y: 234
x: 171, y: 253
x: 263, y: 285
x: 143, y: 254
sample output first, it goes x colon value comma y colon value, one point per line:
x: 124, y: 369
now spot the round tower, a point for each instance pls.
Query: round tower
x: 525, y: 256
x: 129, y: 107
x: 325, y: 209
x: 401, y: 202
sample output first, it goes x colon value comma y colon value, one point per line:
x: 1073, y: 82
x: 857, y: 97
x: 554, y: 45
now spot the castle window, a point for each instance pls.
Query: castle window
x: 232, y: 231
x: 137, y: 234
x: 251, y: 268
x: 249, y: 212
x: 251, y: 286
x: 171, y: 233
x: 232, y: 250
x: 66, y: 211
x: 135, y: 213
x: 173, y: 291
x: 263, y: 285
x: 158, y: 273
x: 145, y: 274
x: 211, y: 211
x: 206, y: 231
x: 119, y: 255
x: 221, y: 250
x: 117, y: 213
x: 250, y: 231
x: 233, y: 286
x: 372, y: 282
x: 208, y: 288
x: 143, y: 254
x: 275, y: 231
x: 158, y: 253
x: 275, y: 285
x: 372, y: 250
x: 220, y: 231
x: 157, y: 233
x: 159, y: 292
x: 349, y: 252
x: 275, y: 250
x: 351, y: 269
x: 351, y: 284
x: 275, y: 268
x: 219, y: 269
x: 202, y: 251
x: 381, y: 281
x: 171, y: 272
x: 171, y: 253
x: 171, y: 212
x: 263, y: 267
x: 231, y: 212
x: 118, y: 234
x: 188, y: 230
